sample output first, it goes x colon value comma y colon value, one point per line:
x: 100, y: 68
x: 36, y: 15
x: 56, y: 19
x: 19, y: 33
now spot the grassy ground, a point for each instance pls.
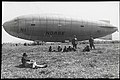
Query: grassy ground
x: 100, y: 63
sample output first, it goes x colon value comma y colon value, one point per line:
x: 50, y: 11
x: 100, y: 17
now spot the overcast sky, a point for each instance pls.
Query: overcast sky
x: 86, y: 10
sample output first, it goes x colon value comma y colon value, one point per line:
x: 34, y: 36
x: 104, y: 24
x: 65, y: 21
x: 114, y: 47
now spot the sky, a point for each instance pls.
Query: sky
x: 85, y: 10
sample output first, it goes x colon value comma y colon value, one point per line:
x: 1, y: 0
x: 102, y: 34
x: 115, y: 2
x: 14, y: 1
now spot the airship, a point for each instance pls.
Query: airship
x: 56, y: 28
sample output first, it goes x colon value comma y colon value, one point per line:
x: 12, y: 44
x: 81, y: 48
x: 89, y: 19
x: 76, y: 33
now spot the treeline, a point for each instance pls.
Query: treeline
x: 100, y: 42
x: 56, y: 43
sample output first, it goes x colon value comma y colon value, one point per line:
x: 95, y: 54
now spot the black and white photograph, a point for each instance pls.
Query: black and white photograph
x: 72, y: 39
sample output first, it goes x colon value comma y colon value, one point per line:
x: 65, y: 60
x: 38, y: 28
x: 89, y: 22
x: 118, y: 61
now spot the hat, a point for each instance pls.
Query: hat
x: 87, y: 45
x: 24, y: 54
x: 74, y: 35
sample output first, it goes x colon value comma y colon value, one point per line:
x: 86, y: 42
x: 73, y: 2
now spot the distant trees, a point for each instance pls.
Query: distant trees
x: 80, y: 42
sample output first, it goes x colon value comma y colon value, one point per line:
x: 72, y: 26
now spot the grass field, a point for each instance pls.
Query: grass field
x: 100, y: 63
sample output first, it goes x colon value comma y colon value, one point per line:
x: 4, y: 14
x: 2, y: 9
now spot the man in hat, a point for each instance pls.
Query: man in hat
x: 91, y: 42
x: 74, y: 42
x: 29, y: 63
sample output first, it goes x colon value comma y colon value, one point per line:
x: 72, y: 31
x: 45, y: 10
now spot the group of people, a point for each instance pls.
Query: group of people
x: 74, y: 46
x: 59, y: 49
x: 30, y: 63
x: 91, y: 43
x: 74, y: 43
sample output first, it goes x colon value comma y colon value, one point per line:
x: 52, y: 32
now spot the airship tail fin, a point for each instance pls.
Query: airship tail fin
x: 107, y: 21
x: 108, y: 37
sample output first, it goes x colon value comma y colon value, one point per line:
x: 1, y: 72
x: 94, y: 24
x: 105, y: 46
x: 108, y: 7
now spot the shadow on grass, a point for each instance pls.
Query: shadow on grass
x: 29, y: 66
x: 22, y: 66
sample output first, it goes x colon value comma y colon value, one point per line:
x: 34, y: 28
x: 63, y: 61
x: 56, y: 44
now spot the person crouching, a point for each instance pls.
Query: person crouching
x: 86, y: 49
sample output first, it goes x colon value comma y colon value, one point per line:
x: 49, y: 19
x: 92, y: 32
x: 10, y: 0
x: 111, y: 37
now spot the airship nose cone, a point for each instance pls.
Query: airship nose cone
x: 5, y: 25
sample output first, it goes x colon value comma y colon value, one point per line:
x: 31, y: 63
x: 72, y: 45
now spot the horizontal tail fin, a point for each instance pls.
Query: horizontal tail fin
x: 107, y: 21
x: 108, y: 37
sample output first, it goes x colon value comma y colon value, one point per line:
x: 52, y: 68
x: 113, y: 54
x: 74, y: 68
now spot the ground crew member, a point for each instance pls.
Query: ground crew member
x: 50, y: 49
x: 59, y: 48
x: 24, y: 59
x: 91, y: 42
x: 69, y: 48
x: 74, y: 42
x: 65, y: 49
x: 86, y: 49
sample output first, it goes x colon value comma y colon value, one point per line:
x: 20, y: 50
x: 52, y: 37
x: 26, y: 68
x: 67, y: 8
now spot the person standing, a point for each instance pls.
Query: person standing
x: 74, y: 42
x: 91, y: 42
